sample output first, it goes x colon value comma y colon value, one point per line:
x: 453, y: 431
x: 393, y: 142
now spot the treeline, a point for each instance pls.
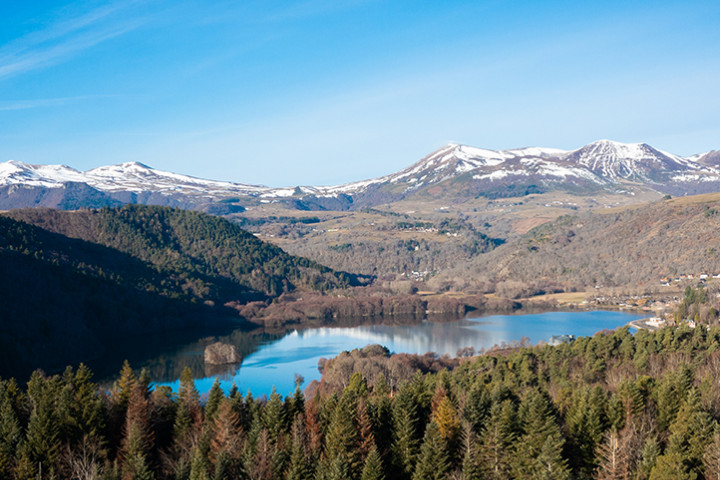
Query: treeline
x: 612, y: 406
x: 355, y: 305
x: 198, y: 249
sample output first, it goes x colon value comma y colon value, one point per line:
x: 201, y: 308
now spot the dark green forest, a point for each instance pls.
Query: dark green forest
x: 74, y: 282
x: 199, y: 251
x: 612, y: 406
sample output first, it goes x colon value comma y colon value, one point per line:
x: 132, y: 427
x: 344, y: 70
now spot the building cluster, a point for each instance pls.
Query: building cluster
x: 700, y: 278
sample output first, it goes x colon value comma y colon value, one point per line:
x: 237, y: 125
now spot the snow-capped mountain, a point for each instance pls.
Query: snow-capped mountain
x: 451, y: 171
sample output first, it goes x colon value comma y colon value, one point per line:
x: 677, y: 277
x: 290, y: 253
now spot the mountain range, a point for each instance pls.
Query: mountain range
x: 453, y: 171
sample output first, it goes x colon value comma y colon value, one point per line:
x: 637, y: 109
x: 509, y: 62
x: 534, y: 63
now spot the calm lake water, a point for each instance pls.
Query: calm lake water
x: 274, y: 360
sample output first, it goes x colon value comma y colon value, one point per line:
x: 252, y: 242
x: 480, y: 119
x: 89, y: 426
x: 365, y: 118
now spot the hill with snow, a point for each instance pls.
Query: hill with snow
x: 453, y: 171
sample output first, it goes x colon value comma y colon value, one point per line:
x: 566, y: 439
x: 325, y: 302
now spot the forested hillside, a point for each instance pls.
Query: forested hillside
x: 197, y: 247
x: 129, y: 272
x: 612, y: 406
x: 623, y: 247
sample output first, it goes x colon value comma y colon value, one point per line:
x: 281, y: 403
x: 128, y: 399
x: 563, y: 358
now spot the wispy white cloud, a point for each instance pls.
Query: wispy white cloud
x: 312, y: 8
x: 46, y: 102
x: 66, y: 37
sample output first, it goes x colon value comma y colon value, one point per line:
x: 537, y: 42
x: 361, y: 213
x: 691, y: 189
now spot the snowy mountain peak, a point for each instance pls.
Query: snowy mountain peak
x: 629, y: 161
x: 454, y: 170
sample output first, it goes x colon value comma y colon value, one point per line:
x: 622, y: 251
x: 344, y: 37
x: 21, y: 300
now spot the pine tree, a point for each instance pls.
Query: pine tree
x: 87, y: 407
x: 373, y: 469
x: 296, y: 404
x: 691, y: 432
x: 226, y: 442
x: 471, y: 463
x: 189, y: 413
x: 336, y: 469
x: 226, y: 429
x: 433, y: 461
x: 262, y: 464
x: 124, y: 385
x: 300, y: 467
x: 10, y: 437
x: 496, y: 439
x: 42, y: 431
x: 406, y: 423
x: 215, y: 397
x: 671, y: 466
x: 138, y: 440
x: 538, y: 452
x: 446, y: 417
x: 198, y: 465
x: 648, y: 458
x: 585, y: 422
x: 364, y: 426
x: 274, y: 415
x: 341, y: 440
x: 313, y: 429
x: 477, y: 406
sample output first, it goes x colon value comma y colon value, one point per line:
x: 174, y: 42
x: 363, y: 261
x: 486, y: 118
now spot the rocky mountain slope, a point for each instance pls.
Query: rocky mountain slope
x: 452, y: 172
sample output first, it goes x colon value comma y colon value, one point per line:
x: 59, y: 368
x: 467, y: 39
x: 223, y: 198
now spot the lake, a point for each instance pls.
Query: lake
x: 274, y: 360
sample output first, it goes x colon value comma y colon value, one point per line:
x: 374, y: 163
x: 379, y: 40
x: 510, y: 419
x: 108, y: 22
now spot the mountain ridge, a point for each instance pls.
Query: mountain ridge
x: 454, y: 169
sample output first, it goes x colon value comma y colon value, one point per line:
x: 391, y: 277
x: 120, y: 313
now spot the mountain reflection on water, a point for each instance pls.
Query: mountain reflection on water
x: 274, y: 359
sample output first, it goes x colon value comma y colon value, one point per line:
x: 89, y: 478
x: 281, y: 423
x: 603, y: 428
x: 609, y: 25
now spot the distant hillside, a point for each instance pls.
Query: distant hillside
x: 73, y: 281
x: 216, y: 259
x: 626, y: 246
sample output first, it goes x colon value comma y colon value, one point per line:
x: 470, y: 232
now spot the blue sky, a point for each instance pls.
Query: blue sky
x: 331, y: 91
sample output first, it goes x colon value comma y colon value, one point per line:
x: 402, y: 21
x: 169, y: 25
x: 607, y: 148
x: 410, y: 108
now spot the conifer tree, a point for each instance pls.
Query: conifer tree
x: 585, y: 422
x: 263, y: 463
x: 189, y: 413
x: 648, y: 458
x: 364, y: 427
x: 336, y: 469
x: 471, y: 463
x: 446, y: 417
x: 42, y: 435
x: 215, y: 397
x: 406, y: 423
x: 296, y: 404
x: 691, y: 432
x: 198, y: 465
x: 496, y: 440
x: 226, y: 430
x: 538, y: 452
x: 300, y: 467
x: 25, y: 468
x: 313, y: 429
x: 433, y: 461
x: 138, y: 440
x: 477, y: 406
x: 274, y: 415
x: 341, y: 440
x: 87, y: 405
x: 671, y: 466
x: 124, y: 385
x: 373, y: 470
x: 10, y: 437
